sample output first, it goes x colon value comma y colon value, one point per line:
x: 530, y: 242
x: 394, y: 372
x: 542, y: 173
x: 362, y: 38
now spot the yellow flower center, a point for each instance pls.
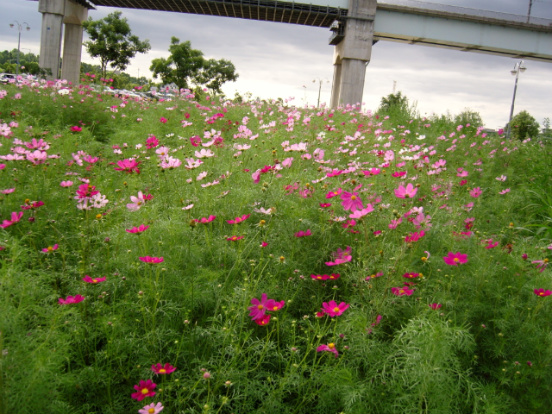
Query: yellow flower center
x: 456, y: 260
x: 50, y: 249
x: 162, y: 371
x: 401, y: 290
x: 353, y: 198
x: 145, y: 391
x: 336, y: 309
x: 331, y: 345
x: 260, y: 307
x: 151, y: 411
x: 275, y: 308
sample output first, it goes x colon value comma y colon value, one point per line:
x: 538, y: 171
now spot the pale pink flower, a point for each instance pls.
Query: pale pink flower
x: 476, y: 192
x: 152, y: 408
x: 408, y: 191
x: 137, y: 202
x: 340, y: 257
x: 330, y: 348
x: 361, y: 212
x: 350, y: 201
x: 66, y: 183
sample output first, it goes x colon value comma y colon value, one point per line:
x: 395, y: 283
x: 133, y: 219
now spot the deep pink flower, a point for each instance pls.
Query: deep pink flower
x: 402, y: 291
x: 205, y: 220
x: 411, y: 275
x: 333, y: 194
x: 144, y: 389
x: 330, y: 348
x: 129, y: 166
x: 542, y: 292
x: 303, y: 233
x: 238, y: 219
x: 455, y: 259
x: 333, y: 276
x: 332, y: 309
x: 29, y: 205
x: 541, y: 264
x: 137, y: 230
x: 350, y: 201
x: 325, y: 205
x: 414, y: 237
x: 490, y: 244
x: 93, y: 280
x: 50, y: 249
x: 15, y: 217
x: 234, y: 238
x: 263, y: 320
x: 408, y: 191
x: 86, y: 191
x: 152, y: 142
x: 71, y: 300
x: 152, y: 260
x: 163, y: 120
x: 260, y: 307
x: 340, y: 257
x: 163, y: 369
x: 435, y: 306
x: 75, y: 129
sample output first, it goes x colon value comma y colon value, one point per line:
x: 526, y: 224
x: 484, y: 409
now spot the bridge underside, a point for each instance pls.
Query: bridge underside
x: 266, y: 10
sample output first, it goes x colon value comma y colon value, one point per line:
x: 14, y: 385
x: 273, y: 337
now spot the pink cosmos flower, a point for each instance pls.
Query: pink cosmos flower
x: 303, y: 233
x: 414, y: 237
x: 163, y: 120
x: 8, y: 191
x: 402, y: 291
x: 152, y: 260
x: 263, y: 320
x: 70, y: 300
x: 15, y: 217
x: 238, y: 219
x: 234, y: 238
x: 330, y: 348
x: 93, y: 280
x: 333, y: 276
x: 137, y: 230
x: 340, y: 257
x: 205, y: 220
x: 490, y: 244
x: 455, y: 259
x: 435, y: 306
x: 151, y: 408
x: 332, y: 309
x: 260, y: 307
x: 408, y: 191
x: 411, y: 275
x: 325, y: 205
x: 350, y: 201
x: 542, y: 292
x: 129, y: 166
x: 361, y: 212
x: 541, y: 264
x: 333, y: 194
x: 144, y: 389
x: 137, y: 202
x: 476, y: 192
x: 66, y: 184
x: 75, y: 128
x: 264, y: 244
x: 50, y: 249
x: 152, y: 142
x: 163, y: 369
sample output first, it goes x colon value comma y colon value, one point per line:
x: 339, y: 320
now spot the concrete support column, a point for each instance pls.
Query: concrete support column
x: 353, y: 53
x: 50, y: 37
x: 336, y: 85
x: 75, y: 14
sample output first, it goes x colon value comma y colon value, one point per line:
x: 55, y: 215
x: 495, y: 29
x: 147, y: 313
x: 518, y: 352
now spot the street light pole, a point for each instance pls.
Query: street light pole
x: 20, y: 27
x: 517, y: 69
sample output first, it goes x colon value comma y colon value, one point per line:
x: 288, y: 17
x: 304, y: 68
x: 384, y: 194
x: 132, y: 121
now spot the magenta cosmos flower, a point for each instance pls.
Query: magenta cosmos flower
x: 205, y: 220
x: 152, y: 260
x: 163, y: 369
x: 455, y: 259
x: 350, y: 201
x: 303, y: 233
x: 260, y: 307
x: 238, y: 219
x: 329, y: 348
x: 402, y: 291
x: 93, y: 280
x: 144, y: 389
x: 70, y: 300
x: 404, y: 192
x: 542, y: 292
x: 234, y: 238
x: 340, y: 257
x: 333, y: 276
x: 151, y: 408
x: 137, y: 230
x: 50, y: 249
x: 15, y: 217
x: 129, y: 166
x: 332, y: 309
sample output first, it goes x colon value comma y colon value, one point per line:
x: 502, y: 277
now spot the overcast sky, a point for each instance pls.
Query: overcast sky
x: 282, y: 60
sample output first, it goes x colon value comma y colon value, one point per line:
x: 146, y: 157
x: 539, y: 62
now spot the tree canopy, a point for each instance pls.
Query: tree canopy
x: 186, y: 66
x: 394, y: 102
x: 112, y: 41
x: 524, y: 125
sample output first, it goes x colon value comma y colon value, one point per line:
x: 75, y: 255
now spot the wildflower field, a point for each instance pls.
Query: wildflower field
x: 212, y: 256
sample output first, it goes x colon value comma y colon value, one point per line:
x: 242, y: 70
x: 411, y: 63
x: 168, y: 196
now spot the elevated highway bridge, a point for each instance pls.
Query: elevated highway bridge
x: 354, y: 25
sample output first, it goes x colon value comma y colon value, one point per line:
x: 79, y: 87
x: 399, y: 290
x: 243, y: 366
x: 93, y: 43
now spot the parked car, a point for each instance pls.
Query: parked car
x: 7, y: 77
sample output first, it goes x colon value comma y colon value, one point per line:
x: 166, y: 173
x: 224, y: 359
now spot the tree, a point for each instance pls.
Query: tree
x: 524, y: 125
x: 395, y: 103
x: 468, y: 117
x: 185, y: 66
x: 112, y: 41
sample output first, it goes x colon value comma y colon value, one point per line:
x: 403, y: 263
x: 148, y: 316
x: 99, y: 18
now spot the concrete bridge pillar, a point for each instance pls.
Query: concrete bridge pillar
x: 352, y: 54
x: 74, y: 16
x: 50, y: 37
